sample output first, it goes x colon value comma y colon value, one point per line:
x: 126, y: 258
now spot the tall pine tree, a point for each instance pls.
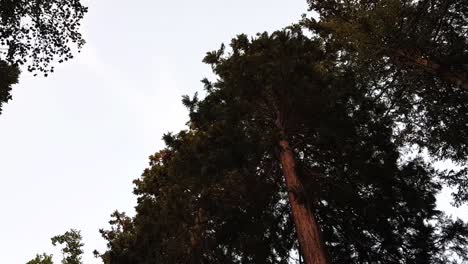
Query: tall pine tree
x: 281, y: 109
x: 426, y: 35
x: 412, y: 57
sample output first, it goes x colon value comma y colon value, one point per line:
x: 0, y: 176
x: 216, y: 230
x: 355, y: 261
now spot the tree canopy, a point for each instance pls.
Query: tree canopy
x: 41, y: 259
x: 8, y: 76
x: 411, y: 56
x: 429, y: 36
x: 72, y: 246
x: 71, y: 250
x: 296, y: 148
x: 37, y: 34
x: 216, y: 192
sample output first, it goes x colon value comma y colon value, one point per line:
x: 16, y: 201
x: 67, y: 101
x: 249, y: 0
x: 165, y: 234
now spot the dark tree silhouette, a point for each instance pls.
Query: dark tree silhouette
x: 219, y: 192
x: 36, y: 33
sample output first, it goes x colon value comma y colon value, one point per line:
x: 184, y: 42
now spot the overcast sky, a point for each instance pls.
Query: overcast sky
x: 71, y: 144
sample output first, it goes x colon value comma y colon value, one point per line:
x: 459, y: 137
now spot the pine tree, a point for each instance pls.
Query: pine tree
x: 428, y: 36
x: 71, y: 250
x: 41, y: 259
x: 72, y: 246
x: 217, y: 193
x: 412, y: 57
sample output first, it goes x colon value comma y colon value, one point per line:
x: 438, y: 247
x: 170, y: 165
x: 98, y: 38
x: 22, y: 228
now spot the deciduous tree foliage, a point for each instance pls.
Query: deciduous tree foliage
x: 36, y: 33
x: 8, y: 76
x: 216, y: 193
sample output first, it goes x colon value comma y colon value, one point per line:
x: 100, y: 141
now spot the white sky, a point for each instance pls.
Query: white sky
x: 71, y: 144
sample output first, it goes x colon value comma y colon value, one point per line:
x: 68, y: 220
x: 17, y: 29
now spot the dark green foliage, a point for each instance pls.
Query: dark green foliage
x: 41, y: 259
x: 215, y: 194
x: 344, y: 142
x: 38, y: 32
x: 72, y: 246
x: 412, y: 57
x: 458, y: 179
x: 72, y: 249
x: 8, y: 76
x: 377, y: 39
x: 203, y: 200
x: 430, y: 35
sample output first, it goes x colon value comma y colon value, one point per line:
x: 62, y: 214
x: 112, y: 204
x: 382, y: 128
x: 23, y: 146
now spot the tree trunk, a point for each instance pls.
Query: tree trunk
x: 308, y: 231
x: 196, y: 237
x: 457, y: 77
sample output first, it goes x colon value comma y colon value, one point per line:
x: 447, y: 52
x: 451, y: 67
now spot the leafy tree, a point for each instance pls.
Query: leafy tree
x: 216, y: 194
x: 72, y: 249
x: 41, y: 259
x: 8, y: 76
x: 36, y: 33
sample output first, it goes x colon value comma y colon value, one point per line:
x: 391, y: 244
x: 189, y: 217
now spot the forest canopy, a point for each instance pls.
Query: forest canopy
x: 216, y: 193
x: 298, y: 150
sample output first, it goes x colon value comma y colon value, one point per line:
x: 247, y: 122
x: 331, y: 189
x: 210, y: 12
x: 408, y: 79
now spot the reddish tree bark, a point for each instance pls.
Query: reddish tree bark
x: 308, y: 231
x: 457, y: 77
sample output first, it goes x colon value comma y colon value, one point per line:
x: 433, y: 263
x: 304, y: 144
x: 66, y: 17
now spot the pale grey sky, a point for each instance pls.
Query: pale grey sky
x: 71, y: 144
